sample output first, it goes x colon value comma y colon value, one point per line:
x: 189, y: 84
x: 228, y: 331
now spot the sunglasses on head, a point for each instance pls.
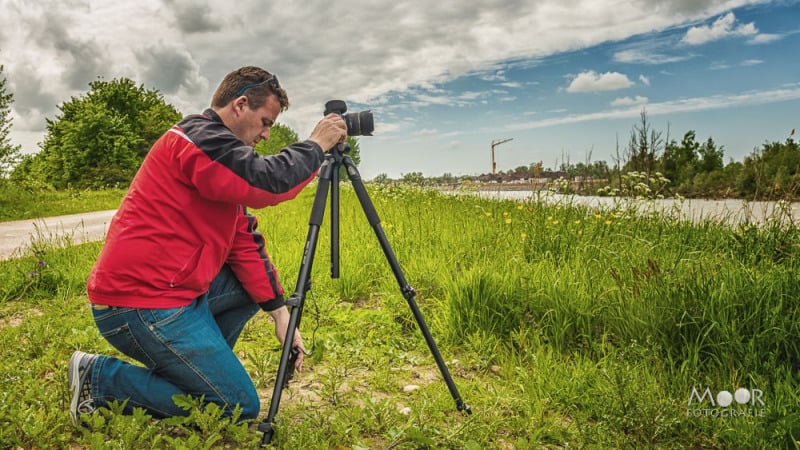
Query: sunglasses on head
x: 271, y: 81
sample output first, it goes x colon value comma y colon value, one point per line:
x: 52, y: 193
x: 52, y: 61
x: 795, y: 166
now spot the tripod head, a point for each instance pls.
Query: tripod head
x: 340, y: 150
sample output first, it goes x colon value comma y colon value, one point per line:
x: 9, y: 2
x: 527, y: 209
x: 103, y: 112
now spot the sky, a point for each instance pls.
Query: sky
x: 565, y: 80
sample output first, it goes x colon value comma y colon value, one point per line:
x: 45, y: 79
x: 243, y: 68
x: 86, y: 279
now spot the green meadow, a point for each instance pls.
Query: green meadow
x: 563, y: 328
x: 18, y: 203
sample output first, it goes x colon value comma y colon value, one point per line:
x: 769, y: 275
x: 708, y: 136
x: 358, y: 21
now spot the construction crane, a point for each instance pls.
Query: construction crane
x: 495, y: 144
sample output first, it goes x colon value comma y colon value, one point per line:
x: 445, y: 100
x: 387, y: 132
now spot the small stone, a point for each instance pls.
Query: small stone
x: 410, y: 388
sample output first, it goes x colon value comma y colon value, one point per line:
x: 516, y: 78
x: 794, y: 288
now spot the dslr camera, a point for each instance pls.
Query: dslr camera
x: 358, y: 124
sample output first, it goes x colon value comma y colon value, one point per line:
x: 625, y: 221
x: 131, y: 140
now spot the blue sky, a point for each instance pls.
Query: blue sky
x: 737, y: 84
x: 565, y: 79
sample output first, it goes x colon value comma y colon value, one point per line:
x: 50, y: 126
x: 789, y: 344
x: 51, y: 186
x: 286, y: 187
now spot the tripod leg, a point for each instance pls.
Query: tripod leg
x: 297, y: 300
x: 335, y: 223
x: 408, y: 291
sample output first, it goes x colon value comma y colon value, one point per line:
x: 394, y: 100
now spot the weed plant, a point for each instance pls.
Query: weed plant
x: 563, y: 327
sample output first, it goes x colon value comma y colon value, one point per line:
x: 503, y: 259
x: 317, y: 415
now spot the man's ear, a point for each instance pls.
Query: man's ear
x: 239, y: 104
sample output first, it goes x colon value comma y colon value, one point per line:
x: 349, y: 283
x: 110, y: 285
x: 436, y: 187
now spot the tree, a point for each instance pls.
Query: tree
x: 680, y: 161
x: 643, y: 147
x: 413, y: 178
x: 9, y: 154
x: 771, y: 172
x: 381, y: 178
x: 711, y: 157
x: 101, y: 139
x: 355, y: 150
x: 279, y: 137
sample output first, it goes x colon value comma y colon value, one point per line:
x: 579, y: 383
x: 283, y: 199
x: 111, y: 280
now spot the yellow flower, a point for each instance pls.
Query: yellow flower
x: 577, y: 222
x: 508, y: 221
x: 608, y: 222
x: 524, y: 235
x: 519, y: 207
x: 550, y: 218
x: 598, y: 216
x: 505, y: 213
x: 555, y: 222
x: 580, y: 232
x: 488, y: 214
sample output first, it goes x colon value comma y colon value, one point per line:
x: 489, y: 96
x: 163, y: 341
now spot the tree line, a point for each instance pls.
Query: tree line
x: 652, y: 164
x: 100, y: 139
x: 692, y: 168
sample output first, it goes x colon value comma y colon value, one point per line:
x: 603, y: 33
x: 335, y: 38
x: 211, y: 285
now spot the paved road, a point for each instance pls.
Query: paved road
x: 15, y: 237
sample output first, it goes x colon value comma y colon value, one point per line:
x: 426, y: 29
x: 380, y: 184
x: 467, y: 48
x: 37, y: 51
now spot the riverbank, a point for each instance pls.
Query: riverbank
x: 729, y: 211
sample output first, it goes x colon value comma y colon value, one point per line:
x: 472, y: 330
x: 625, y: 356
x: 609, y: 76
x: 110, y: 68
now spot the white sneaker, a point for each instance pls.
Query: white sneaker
x: 80, y: 369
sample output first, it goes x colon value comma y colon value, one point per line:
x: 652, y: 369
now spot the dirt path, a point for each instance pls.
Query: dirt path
x: 16, y: 236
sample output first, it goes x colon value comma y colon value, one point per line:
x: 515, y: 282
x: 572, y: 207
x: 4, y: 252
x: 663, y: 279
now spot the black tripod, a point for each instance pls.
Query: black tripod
x: 329, y: 176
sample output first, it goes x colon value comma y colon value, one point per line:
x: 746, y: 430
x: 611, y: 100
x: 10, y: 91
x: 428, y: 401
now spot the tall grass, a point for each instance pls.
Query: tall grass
x: 563, y: 327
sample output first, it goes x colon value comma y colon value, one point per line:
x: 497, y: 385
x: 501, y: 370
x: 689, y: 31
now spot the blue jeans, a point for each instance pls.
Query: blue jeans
x: 187, y: 350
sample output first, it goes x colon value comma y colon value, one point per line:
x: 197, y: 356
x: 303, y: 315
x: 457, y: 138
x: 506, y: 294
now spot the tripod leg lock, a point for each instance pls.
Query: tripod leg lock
x: 293, y: 301
x: 409, y: 292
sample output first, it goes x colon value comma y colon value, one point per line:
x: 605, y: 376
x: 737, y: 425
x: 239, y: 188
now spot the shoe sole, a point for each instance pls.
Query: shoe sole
x: 74, y: 375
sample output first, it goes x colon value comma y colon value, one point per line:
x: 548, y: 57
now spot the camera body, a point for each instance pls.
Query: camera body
x: 358, y: 124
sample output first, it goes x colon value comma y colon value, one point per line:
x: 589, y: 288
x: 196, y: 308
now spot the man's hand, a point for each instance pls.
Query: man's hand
x: 331, y: 130
x: 281, y: 318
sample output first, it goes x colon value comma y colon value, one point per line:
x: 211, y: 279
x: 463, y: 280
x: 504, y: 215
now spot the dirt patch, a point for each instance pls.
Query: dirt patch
x: 324, y: 384
x: 16, y: 319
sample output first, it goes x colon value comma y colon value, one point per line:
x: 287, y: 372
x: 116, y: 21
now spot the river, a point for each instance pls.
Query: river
x: 729, y: 211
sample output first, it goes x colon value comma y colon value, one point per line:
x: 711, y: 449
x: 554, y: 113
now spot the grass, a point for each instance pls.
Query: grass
x: 18, y: 202
x: 563, y: 327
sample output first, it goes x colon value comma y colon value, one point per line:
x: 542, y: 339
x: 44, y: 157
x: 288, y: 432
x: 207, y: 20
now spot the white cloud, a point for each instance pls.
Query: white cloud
x: 592, y: 81
x: 752, y: 62
x: 719, y: 65
x: 494, y: 76
x: 629, y: 101
x: 791, y: 93
x: 723, y: 27
x: 764, y: 38
x: 639, y: 56
x: 645, y: 81
x: 469, y: 95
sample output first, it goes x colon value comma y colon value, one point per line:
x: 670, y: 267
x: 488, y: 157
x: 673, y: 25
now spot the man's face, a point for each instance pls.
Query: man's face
x: 252, y: 125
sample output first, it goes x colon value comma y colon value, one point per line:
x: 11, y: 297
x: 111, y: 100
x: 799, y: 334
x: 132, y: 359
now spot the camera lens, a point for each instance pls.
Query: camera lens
x: 359, y: 124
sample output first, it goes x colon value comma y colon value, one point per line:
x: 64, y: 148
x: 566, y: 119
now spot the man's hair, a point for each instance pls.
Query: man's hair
x: 251, y: 82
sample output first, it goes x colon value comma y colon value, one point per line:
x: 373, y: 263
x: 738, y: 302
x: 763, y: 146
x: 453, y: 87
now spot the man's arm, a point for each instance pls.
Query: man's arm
x: 250, y: 263
x: 281, y: 318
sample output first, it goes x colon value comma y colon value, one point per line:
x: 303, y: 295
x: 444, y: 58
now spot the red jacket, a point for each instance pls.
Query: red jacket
x: 184, y: 216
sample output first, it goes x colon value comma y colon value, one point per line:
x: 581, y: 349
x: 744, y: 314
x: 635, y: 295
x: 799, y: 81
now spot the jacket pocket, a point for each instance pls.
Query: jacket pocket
x: 192, y: 275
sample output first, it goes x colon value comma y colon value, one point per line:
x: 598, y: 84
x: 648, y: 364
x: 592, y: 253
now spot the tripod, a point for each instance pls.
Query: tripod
x: 329, y: 177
